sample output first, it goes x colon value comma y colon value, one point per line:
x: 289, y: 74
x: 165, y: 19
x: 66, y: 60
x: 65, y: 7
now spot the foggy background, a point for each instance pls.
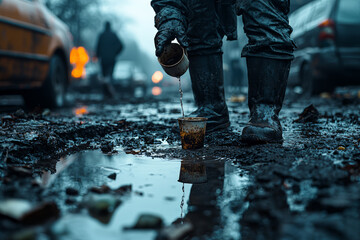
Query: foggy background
x: 131, y: 20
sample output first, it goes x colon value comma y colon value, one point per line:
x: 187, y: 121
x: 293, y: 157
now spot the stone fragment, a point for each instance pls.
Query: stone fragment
x: 112, y: 176
x: 72, y: 191
x: 148, y: 221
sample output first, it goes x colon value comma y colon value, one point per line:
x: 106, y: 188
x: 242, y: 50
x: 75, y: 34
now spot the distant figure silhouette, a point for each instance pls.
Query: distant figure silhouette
x: 108, y: 47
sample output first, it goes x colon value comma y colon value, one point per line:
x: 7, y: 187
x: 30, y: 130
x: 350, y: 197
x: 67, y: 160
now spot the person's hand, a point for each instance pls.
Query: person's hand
x: 241, y: 5
x: 167, y: 32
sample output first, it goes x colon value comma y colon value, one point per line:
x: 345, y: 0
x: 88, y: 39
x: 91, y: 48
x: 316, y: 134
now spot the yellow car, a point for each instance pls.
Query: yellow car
x: 34, y: 53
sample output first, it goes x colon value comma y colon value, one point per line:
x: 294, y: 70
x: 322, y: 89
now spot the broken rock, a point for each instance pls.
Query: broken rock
x: 148, y: 221
x: 175, y: 232
x: 310, y: 114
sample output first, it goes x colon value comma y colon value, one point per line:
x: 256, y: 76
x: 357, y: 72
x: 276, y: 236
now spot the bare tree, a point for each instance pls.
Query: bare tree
x: 79, y: 15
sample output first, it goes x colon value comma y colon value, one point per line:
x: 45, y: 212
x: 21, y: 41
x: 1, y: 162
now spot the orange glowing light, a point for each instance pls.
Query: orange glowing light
x: 81, y: 111
x: 156, y: 91
x: 157, y: 77
x: 79, y: 58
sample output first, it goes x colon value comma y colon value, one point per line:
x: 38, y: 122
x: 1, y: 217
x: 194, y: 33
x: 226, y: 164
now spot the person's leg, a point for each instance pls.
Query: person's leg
x: 111, y: 71
x: 206, y: 70
x: 268, y: 54
x: 108, y: 89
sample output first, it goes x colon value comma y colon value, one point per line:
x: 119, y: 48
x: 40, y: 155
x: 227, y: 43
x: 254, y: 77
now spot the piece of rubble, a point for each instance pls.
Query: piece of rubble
x: 238, y: 99
x: 14, y: 208
x: 41, y: 213
x: 123, y: 189
x: 175, y: 232
x: 148, y: 221
x: 20, y: 113
x: 100, y: 190
x: 71, y: 191
x: 23, y: 171
x: 23, y: 211
x: 7, y: 118
x: 112, y: 176
x: 26, y: 234
x: 310, y: 114
x: 101, y: 207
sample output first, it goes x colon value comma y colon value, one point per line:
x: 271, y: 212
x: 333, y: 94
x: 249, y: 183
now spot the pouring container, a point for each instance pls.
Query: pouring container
x: 174, y: 60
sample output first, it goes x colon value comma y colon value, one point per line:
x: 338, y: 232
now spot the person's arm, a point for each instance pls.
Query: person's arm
x: 171, y: 22
x: 169, y: 9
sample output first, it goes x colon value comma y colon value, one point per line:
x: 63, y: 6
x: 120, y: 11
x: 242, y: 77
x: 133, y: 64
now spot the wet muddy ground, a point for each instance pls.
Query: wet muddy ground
x: 116, y: 170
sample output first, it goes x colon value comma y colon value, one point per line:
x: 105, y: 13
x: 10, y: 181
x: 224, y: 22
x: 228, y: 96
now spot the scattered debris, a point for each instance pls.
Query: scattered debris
x: 124, y: 189
x: 310, y: 114
x: 27, y: 234
x: 101, y: 206
x: 14, y: 208
x: 72, y: 191
x: 20, y: 113
x: 100, y: 190
x: 42, y: 213
x: 175, y: 232
x: 238, y: 99
x: 148, y: 221
x: 23, y: 171
x: 23, y: 211
x: 112, y: 176
x: 325, y: 95
x: 32, y: 144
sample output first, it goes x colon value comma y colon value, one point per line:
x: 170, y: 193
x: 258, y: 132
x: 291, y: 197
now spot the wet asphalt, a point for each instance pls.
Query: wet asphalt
x: 98, y: 168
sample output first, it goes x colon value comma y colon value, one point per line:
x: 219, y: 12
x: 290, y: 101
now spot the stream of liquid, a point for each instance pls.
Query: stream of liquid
x: 182, y: 204
x: 181, y: 98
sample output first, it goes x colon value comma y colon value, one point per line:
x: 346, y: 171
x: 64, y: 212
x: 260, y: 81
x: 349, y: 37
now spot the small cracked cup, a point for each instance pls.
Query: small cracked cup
x: 192, y: 173
x: 174, y: 60
x: 192, y: 132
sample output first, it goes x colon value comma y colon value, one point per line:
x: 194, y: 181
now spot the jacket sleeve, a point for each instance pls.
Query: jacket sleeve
x: 169, y: 9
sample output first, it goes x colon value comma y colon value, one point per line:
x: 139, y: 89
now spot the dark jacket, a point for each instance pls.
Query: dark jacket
x: 177, y: 9
x: 108, y: 47
x: 265, y: 23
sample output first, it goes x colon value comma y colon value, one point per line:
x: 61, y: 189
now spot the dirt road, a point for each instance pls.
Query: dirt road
x: 90, y: 170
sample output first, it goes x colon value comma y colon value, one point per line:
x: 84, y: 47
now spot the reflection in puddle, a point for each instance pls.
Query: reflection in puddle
x: 47, y: 178
x: 159, y: 188
x: 191, y: 172
x: 299, y: 199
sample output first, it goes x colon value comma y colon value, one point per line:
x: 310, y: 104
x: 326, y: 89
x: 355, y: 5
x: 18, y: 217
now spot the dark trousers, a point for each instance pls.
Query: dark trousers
x: 107, y: 69
x: 265, y: 23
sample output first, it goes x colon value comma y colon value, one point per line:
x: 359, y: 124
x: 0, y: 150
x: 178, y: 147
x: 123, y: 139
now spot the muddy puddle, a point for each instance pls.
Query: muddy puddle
x: 152, y: 188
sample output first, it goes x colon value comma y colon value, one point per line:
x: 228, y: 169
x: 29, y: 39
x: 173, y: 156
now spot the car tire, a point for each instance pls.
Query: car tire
x: 52, y: 93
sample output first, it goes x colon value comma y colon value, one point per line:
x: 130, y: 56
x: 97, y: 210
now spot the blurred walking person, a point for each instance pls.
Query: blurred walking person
x: 108, y: 47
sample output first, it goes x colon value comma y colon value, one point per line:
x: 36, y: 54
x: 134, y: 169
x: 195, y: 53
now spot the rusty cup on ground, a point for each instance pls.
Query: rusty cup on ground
x: 174, y: 60
x: 192, y: 132
x: 192, y: 173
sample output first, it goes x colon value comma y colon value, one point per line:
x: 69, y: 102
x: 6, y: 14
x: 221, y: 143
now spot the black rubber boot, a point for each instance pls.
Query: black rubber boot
x: 267, y: 86
x: 207, y: 80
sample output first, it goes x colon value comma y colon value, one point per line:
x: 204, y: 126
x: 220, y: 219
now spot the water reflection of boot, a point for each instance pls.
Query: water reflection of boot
x: 207, y: 79
x: 267, y: 86
x: 203, y: 208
